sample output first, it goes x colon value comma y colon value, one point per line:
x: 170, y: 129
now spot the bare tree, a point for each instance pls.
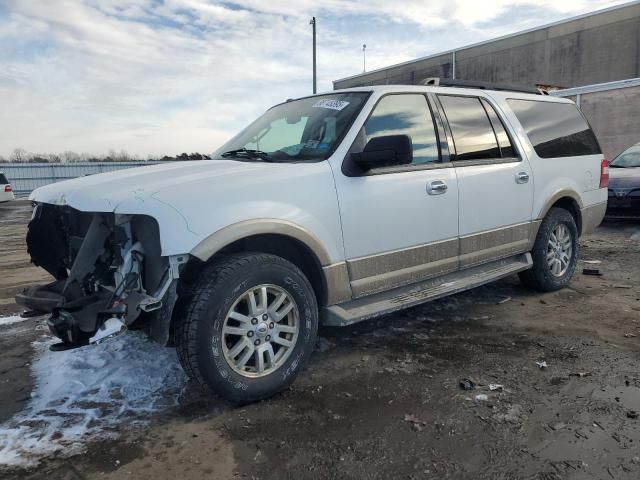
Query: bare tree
x: 19, y: 155
x: 69, y: 157
x: 123, y: 156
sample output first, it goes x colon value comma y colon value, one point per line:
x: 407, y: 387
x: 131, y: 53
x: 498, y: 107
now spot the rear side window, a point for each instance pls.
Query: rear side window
x: 555, y: 129
x: 3, y: 179
x: 478, y: 133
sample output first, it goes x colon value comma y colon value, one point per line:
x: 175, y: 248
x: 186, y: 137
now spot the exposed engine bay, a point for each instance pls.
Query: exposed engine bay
x: 109, y: 274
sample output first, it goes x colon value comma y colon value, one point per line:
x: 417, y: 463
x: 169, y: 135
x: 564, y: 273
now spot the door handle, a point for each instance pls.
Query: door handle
x: 522, y: 177
x: 437, y: 187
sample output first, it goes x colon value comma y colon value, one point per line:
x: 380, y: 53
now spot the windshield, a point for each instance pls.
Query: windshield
x: 630, y: 158
x: 305, y: 129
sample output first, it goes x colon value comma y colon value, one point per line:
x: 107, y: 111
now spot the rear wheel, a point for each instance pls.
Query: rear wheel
x: 555, y: 252
x: 249, y: 328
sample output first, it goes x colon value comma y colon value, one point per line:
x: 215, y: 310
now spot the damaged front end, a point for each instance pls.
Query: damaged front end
x: 108, y: 270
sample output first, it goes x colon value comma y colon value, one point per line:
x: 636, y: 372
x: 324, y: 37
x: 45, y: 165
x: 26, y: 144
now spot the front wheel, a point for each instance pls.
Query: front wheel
x: 555, y: 252
x: 249, y: 328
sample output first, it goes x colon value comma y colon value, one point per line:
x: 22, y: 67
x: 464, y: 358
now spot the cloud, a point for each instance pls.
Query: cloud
x: 156, y: 77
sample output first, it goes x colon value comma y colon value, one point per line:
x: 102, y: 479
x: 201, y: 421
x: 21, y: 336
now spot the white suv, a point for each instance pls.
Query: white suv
x: 334, y: 208
x: 6, y: 191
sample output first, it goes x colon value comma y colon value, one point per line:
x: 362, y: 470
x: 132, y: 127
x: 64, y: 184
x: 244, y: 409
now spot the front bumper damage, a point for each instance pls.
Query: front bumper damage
x: 109, y: 274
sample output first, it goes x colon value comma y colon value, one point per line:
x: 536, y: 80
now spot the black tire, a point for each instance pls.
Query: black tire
x: 540, y: 277
x: 199, y: 332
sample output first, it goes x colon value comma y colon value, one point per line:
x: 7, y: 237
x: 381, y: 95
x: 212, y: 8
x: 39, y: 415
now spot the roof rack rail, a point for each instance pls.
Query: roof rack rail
x: 449, y: 82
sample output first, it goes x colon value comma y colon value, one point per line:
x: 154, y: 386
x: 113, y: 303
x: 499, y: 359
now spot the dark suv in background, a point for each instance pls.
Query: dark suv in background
x: 624, y: 184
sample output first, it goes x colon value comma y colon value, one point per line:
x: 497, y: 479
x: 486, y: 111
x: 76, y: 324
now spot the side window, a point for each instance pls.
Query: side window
x: 555, y: 129
x: 473, y: 134
x: 406, y: 114
x: 504, y: 142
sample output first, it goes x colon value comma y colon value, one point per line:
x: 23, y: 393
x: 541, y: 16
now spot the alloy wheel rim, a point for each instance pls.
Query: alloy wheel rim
x: 260, y: 330
x: 559, y: 250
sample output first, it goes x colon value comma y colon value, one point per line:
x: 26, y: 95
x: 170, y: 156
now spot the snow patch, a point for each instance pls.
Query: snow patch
x: 85, y: 394
x: 11, y: 320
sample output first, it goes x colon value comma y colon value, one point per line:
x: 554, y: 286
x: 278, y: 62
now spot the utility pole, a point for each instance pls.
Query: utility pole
x: 364, y: 57
x: 313, y: 24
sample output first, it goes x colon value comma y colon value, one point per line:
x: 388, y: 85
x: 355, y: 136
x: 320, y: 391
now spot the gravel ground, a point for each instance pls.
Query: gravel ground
x: 383, y: 399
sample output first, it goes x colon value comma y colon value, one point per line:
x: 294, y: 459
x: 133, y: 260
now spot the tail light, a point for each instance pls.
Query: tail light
x: 7, y: 188
x: 604, y: 174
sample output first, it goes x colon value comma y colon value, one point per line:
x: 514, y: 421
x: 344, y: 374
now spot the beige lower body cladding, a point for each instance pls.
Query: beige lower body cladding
x: 376, y: 273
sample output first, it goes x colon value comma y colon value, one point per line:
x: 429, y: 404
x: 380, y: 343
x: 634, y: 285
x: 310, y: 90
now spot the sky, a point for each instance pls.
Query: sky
x: 156, y: 77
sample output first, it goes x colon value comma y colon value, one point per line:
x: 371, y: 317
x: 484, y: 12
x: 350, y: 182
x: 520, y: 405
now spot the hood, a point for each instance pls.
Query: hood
x: 115, y: 191
x: 624, y: 178
x: 192, y: 200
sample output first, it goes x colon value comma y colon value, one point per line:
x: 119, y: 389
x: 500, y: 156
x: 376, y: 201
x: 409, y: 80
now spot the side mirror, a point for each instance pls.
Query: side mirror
x: 387, y: 151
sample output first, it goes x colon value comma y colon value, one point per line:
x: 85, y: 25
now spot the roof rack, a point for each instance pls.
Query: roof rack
x: 449, y: 82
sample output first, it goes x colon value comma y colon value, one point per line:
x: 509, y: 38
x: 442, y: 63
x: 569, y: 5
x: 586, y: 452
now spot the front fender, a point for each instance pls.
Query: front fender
x: 226, y: 236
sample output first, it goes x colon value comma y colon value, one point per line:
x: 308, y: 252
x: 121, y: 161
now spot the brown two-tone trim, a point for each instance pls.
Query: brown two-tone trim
x: 533, y: 233
x: 592, y: 216
x: 589, y: 217
x: 337, y: 282
x: 380, y: 272
x: 559, y: 195
x: 237, y: 231
x: 336, y: 276
x: 495, y: 244
x: 375, y: 273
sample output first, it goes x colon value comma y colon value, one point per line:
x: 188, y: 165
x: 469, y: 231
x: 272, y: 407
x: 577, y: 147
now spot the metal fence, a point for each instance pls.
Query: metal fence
x: 26, y: 177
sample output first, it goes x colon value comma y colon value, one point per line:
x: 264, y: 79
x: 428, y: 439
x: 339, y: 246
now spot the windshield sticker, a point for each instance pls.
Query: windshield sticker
x: 331, y: 104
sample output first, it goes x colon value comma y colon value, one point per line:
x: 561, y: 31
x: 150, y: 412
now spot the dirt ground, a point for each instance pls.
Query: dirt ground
x: 383, y: 400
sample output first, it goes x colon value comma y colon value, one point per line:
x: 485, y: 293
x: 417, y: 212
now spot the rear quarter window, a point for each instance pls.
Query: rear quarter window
x: 3, y: 179
x: 555, y: 129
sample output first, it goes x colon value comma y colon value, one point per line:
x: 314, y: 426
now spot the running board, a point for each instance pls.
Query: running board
x: 404, y: 297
